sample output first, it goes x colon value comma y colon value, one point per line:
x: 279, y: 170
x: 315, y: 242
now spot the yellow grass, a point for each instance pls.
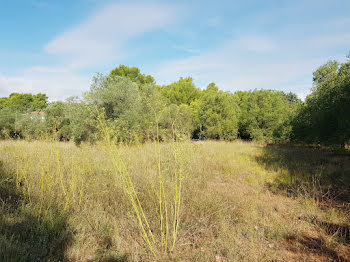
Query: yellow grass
x: 207, y: 201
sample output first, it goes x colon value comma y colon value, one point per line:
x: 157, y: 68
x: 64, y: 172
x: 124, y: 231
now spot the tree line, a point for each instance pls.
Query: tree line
x: 132, y: 107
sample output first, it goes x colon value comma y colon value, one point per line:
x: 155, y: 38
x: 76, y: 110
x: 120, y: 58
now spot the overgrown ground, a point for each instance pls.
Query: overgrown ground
x: 239, y: 202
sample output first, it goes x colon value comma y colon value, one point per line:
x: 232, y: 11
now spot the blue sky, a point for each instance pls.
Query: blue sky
x: 56, y: 46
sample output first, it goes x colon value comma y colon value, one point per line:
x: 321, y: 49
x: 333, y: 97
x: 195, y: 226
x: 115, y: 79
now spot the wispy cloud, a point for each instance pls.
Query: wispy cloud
x: 98, y: 40
x: 101, y: 38
x: 256, y: 43
x: 187, y: 49
x: 255, y: 62
x: 261, y: 46
x: 57, y: 84
x: 40, y: 4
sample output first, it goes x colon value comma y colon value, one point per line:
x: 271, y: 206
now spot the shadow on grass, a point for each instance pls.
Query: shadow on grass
x: 320, y: 173
x: 313, y: 248
x: 340, y: 231
x: 110, y: 257
x: 25, y: 236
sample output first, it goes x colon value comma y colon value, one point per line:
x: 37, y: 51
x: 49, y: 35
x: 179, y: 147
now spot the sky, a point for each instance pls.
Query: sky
x: 56, y: 46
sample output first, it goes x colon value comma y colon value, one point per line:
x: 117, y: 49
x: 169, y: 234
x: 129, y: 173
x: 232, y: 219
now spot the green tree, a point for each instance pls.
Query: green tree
x: 72, y: 120
x: 176, y: 122
x: 121, y: 100
x: 181, y: 92
x: 154, y: 106
x: 218, y: 115
x: 82, y: 121
x: 31, y: 126
x: 325, y: 116
x: 266, y: 114
x: 3, y: 102
x: 25, y: 102
x: 8, y: 119
x: 212, y: 87
x: 133, y: 73
x: 325, y: 72
x: 57, y: 120
x: 15, y: 118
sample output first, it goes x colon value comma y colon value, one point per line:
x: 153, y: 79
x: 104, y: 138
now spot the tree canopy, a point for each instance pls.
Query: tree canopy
x: 133, y: 73
x: 135, y: 109
x: 24, y: 102
x: 181, y: 92
x: 324, y: 118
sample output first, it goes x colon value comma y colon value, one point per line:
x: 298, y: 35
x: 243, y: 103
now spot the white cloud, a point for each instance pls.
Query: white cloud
x: 9, y: 85
x: 255, y: 62
x: 246, y: 62
x: 186, y: 49
x: 47, y: 69
x: 101, y: 38
x: 97, y: 41
x: 58, y: 85
x: 303, y: 94
x: 259, y: 44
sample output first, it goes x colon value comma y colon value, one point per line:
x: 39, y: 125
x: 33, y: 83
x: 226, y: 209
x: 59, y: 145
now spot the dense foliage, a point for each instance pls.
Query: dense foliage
x: 266, y: 114
x: 134, y: 109
x: 324, y: 118
x: 16, y: 119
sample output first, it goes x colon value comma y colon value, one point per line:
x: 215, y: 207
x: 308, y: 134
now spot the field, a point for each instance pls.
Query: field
x: 183, y: 201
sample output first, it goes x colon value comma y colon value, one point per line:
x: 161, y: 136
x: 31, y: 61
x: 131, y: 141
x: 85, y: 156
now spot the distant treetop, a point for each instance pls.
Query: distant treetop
x: 133, y: 73
x: 24, y: 102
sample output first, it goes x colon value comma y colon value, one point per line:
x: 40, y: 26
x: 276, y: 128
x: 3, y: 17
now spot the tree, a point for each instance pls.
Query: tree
x: 154, y: 105
x: 266, y: 114
x: 132, y: 112
x: 8, y: 118
x: 120, y: 99
x: 3, y: 102
x: 133, y: 73
x: 325, y: 116
x: 57, y: 120
x: 25, y: 102
x: 325, y: 72
x: 212, y: 87
x: 181, y: 92
x: 292, y: 98
x: 39, y: 101
x: 15, y: 118
x: 176, y: 122
x: 218, y: 115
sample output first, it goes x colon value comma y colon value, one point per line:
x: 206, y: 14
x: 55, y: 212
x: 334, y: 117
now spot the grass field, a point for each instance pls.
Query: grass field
x: 204, y: 201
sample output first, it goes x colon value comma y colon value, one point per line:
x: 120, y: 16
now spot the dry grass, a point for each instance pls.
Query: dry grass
x: 62, y: 202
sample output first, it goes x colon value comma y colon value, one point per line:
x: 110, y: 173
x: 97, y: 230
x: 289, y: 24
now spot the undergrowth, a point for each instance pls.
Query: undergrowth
x: 176, y: 201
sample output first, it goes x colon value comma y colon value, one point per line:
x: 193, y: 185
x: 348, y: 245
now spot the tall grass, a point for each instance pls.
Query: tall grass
x: 169, y: 197
x: 176, y: 201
